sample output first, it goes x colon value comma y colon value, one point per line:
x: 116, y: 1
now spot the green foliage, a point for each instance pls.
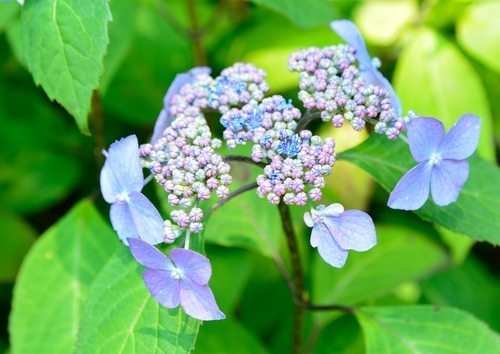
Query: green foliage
x: 55, y: 280
x: 451, y: 85
x: 386, y: 162
x: 66, y: 40
x: 121, y: 316
x: 78, y: 289
x: 425, y: 329
x: 304, y: 14
x: 17, y: 236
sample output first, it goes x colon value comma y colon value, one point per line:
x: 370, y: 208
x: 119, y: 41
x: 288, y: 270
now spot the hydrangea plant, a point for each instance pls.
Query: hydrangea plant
x: 232, y: 225
x: 338, y: 84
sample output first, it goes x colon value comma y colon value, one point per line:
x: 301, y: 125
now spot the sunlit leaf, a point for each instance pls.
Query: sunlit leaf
x: 64, y: 45
x: 372, y: 274
x: 425, y: 329
x: 54, y: 282
x: 121, y: 316
x: 479, y: 200
x: 470, y: 287
x: 478, y: 31
x: 447, y: 85
x: 246, y: 221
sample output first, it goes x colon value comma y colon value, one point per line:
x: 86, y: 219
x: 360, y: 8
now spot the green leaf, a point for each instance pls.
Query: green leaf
x: 54, y: 281
x: 229, y: 266
x: 478, y: 203
x: 432, y: 65
x: 121, y: 316
x: 372, y: 274
x: 7, y: 11
x: 342, y: 336
x: 158, y: 52
x: 478, y: 31
x: 246, y: 221
x: 64, y: 45
x: 17, y: 237
x: 425, y: 329
x: 214, y: 338
x: 469, y: 287
x: 120, y: 38
x: 303, y: 13
x: 38, y: 162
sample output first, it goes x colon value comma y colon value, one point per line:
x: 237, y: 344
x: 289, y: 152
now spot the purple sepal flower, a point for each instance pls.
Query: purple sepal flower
x: 348, y: 31
x: 132, y: 214
x: 180, y: 280
x: 442, y: 167
x: 336, y: 231
x: 165, y: 118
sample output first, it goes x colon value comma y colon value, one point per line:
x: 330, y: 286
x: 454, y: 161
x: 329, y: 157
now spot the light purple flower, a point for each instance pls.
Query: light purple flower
x: 165, y: 118
x: 336, y: 231
x: 132, y: 214
x: 180, y: 280
x: 348, y: 31
x: 442, y: 167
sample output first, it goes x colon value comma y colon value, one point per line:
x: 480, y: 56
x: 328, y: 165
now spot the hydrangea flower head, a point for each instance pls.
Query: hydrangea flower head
x: 335, y: 231
x: 442, y: 167
x: 180, y: 280
x: 165, y: 118
x: 348, y: 31
x: 132, y: 214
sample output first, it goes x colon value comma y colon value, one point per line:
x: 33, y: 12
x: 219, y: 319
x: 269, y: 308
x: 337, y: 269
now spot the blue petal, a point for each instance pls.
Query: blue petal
x: 328, y: 248
x: 447, y: 181
x: 137, y: 218
x: 165, y: 119
x: 352, y: 230
x: 412, y: 190
x: 149, y: 256
x: 424, y: 137
x: 164, y: 288
x: 122, y: 172
x: 350, y: 33
x: 198, y: 301
x: 195, y: 266
x: 462, y: 139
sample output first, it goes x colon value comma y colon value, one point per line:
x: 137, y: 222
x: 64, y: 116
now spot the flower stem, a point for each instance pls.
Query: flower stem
x: 299, y: 291
x: 237, y: 192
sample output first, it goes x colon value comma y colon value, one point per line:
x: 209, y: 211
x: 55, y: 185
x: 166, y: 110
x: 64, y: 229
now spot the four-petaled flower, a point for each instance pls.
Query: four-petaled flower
x: 368, y: 67
x: 336, y: 231
x: 131, y: 213
x: 442, y: 166
x: 180, y: 280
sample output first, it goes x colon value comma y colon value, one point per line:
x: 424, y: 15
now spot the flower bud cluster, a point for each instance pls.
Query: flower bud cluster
x: 259, y: 122
x: 296, y: 169
x: 183, y: 161
x: 237, y: 85
x: 330, y: 81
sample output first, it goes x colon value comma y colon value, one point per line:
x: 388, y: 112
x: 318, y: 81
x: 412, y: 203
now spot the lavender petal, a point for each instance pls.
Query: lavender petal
x: 353, y: 230
x: 122, y: 172
x: 147, y: 255
x: 196, y: 266
x: 424, y: 136
x: 198, y: 301
x: 462, y: 139
x: 147, y: 220
x: 164, y: 288
x: 412, y: 190
x: 447, y: 181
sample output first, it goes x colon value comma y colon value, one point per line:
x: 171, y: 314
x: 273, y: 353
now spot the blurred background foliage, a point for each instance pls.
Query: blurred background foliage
x: 441, y: 55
